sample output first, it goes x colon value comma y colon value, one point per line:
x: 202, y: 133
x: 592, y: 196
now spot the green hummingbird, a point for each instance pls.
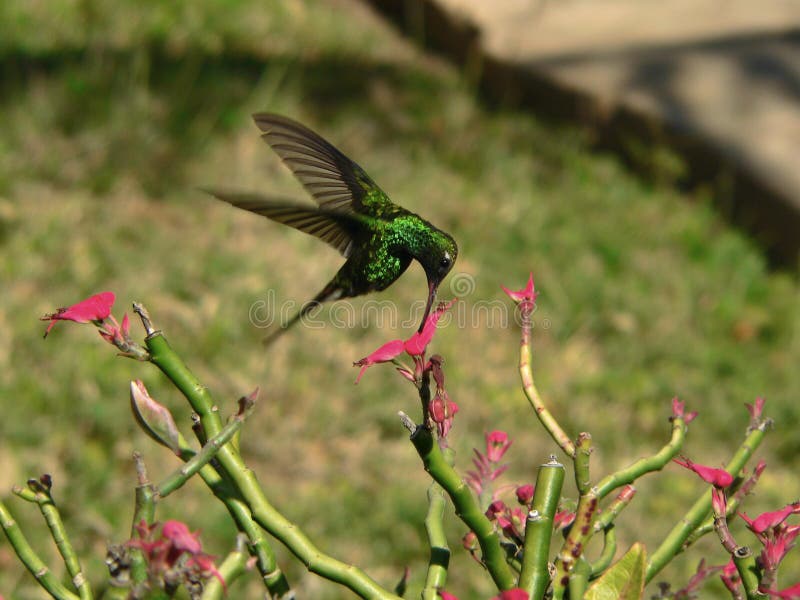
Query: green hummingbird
x: 378, y: 238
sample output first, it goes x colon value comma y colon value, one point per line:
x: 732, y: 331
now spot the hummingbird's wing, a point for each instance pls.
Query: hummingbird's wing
x: 335, y: 182
x: 334, y: 228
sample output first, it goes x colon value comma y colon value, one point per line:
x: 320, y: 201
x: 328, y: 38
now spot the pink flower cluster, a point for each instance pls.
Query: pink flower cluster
x: 97, y: 310
x: 175, y: 556
x: 442, y: 409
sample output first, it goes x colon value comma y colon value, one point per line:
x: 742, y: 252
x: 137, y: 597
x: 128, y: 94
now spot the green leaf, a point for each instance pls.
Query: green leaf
x: 624, y: 580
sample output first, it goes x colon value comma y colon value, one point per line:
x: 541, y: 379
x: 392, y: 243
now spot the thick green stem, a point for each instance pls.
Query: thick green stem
x: 466, y: 506
x: 246, y: 484
x: 535, y: 577
x: 30, y: 559
x: 746, y: 566
x: 681, y: 532
x: 437, y: 540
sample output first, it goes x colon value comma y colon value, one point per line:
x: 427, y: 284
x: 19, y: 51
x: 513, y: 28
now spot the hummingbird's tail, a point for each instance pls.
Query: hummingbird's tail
x: 307, y: 307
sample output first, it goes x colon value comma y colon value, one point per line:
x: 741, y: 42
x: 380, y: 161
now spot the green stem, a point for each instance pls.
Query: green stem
x: 144, y: 511
x: 437, y: 540
x: 677, y: 537
x: 583, y: 451
x: 30, y: 559
x: 534, y: 576
x: 579, y: 578
x: 246, y: 484
x: 266, y: 563
x: 575, y: 543
x: 231, y: 568
x: 611, y: 512
x: 466, y: 506
x: 746, y: 566
x: 207, y: 453
x: 42, y: 496
x: 645, y: 465
x: 607, y: 555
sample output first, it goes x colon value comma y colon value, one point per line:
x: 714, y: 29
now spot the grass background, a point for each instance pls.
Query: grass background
x: 114, y: 114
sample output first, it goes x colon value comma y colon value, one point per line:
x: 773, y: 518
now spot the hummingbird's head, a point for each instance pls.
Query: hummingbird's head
x: 437, y: 259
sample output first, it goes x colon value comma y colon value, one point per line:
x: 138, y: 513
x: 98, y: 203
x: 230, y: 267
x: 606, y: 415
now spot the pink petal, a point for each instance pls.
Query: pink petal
x: 94, y: 308
x: 525, y: 494
x: 180, y: 536
x: 417, y: 343
x: 790, y: 593
x: 497, y: 443
x: 717, y: 477
x: 515, y: 594
x: 526, y: 294
x: 767, y: 520
x: 383, y: 354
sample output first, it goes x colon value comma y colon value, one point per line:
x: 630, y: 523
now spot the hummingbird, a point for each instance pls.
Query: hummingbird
x: 378, y: 238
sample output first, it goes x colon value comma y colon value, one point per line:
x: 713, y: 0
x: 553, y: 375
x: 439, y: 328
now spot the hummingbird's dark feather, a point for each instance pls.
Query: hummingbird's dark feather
x: 336, y: 182
x: 335, y: 229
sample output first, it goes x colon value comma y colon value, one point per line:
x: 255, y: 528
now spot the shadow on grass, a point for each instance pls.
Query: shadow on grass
x: 88, y: 118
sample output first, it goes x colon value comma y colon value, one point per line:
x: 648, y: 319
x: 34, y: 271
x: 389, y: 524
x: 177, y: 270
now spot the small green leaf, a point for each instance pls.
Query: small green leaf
x: 624, y: 580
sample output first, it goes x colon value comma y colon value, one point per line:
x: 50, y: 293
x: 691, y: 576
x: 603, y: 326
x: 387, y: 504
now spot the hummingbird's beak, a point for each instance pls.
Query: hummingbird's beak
x: 432, y: 285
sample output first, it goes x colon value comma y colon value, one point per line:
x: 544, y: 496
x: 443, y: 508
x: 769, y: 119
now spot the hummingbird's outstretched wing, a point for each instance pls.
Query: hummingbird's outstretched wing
x: 334, y: 228
x: 335, y: 182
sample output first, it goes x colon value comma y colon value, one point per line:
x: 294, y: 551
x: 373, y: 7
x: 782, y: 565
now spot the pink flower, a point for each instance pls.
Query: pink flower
x: 114, y: 333
x: 717, y: 477
x: 163, y: 554
x: 525, y: 494
x: 777, y: 545
x: 790, y: 593
x: 497, y: 443
x: 678, y: 411
x: 756, y: 408
x: 442, y: 411
x: 526, y: 295
x: 181, y: 538
x: 414, y: 346
x: 515, y: 594
x: 563, y: 519
x: 385, y: 353
x: 768, y: 520
x: 95, y: 308
x: 730, y: 576
x: 418, y: 342
x: 497, y: 507
x: 446, y: 596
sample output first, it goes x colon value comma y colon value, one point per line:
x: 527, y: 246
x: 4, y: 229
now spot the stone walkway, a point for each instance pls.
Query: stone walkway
x: 718, y: 81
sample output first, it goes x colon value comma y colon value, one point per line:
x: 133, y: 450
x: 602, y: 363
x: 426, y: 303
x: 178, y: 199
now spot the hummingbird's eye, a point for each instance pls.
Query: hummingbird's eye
x: 445, y: 262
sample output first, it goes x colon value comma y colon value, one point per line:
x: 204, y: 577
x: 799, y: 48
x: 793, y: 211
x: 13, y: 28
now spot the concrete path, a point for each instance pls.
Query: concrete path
x: 718, y: 81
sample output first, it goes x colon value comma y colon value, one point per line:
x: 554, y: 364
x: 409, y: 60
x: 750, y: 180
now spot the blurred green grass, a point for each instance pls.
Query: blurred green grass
x: 113, y: 114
